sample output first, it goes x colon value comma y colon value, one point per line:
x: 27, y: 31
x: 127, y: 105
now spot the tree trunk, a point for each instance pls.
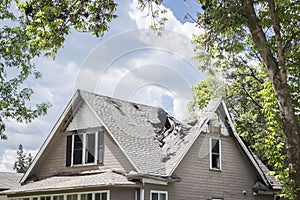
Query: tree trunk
x: 278, y: 78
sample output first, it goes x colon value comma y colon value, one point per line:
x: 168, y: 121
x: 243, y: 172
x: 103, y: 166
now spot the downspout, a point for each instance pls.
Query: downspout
x: 142, y: 191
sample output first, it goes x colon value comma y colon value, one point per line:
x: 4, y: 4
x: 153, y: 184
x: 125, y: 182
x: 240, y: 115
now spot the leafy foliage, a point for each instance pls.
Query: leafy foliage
x: 36, y: 28
x: 254, y: 45
x: 23, y: 161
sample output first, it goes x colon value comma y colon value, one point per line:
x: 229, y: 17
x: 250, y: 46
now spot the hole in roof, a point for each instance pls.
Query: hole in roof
x: 160, y: 96
x: 136, y: 106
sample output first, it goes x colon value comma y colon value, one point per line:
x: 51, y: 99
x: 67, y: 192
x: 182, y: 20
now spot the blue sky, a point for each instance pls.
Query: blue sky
x: 129, y: 62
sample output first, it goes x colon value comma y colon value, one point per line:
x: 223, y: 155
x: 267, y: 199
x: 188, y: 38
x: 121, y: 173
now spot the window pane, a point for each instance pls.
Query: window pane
x: 104, y: 196
x: 72, y: 197
x: 97, y: 196
x: 89, y: 196
x: 162, y: 196
x: 60, y: 197
x: 101, y: 196
x: 35, y: 198
x: 77, y: 153
x: 90, y: 148
x: 154, y: 196
x: 215, y: 161
x: 215, y: 146
x: 83, y: 197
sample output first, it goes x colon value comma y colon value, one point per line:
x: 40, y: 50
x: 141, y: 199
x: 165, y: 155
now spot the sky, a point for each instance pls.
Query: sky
x: 130, y: 62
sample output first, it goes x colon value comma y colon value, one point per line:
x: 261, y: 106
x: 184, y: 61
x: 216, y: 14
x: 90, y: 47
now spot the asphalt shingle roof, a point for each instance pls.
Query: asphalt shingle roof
x: 55, y: 183
x: 135, y: 127
x: 9, y: 180
x: 154, y: 142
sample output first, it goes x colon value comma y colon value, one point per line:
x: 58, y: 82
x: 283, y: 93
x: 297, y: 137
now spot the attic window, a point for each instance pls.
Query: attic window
x: 215, y: 154
x: 85, y: 149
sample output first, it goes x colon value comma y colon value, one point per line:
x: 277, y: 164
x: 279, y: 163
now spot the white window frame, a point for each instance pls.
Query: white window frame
x: 158, y: 192
x: 210, y: 154
x: 65, y: 195
x: 84, y: 149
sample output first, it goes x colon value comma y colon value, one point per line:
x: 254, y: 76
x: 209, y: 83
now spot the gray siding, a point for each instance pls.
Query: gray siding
x: 83, y: 119
x: 3, y: 197
x: 122, y: 193
x: 53, y: 160
x: 149, y: 187
x: 198, y: 182
x: 201, y: 183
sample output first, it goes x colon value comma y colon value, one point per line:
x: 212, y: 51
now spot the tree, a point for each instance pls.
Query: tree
x: 37, y: 28
x: 238, y: 32
x: 260, y: 38
x: 23, y: 161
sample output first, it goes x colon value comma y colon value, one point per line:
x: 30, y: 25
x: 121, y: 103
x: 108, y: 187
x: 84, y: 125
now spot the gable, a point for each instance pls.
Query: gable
x: 133, y: 131
x: 218, y: 121
x: 51, y: 159
x: 201, y: 182
x: 84, y: 118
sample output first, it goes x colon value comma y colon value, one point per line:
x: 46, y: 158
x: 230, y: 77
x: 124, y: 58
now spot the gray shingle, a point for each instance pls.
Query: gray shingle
x: 135, y: 127
x: 56, y: 183
x: 272, y: 180
x: 9, y: 180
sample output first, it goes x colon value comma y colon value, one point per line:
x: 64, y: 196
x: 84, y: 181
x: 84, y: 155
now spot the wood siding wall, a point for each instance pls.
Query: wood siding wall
x: 83, y: 119
x: 149, y: 187
x: 3, y: 197
x: 53, y: 160
x: 199, y: 182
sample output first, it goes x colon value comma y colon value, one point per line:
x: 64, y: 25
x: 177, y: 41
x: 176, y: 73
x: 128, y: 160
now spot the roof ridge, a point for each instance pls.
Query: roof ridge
x: 118, y: 99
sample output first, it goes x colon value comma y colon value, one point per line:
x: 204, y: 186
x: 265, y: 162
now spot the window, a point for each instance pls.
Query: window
x: 158, y: 195
x: 99, y: 195
x: 87, y: 196
x: 72, y: 197
x: 57, y: 197
x: 45, y: 198
x: 215, y: 154
x: 84, y: 149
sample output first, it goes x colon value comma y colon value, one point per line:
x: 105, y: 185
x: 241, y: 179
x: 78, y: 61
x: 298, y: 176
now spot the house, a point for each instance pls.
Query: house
x: 9, y: 181
x: 103, y: 148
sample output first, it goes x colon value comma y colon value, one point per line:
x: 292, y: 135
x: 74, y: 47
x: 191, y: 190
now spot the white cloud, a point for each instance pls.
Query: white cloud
x: 128, y: 65
x: 143, y: 20
x: 7, y: 160
x: 9, y: 157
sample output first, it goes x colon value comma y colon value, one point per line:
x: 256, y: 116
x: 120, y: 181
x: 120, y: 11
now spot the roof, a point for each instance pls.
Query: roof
x: 57, y: 183
x: 9, y: 180
x: 135, y: 128
x: 154, y: 142
x: 276, y: 184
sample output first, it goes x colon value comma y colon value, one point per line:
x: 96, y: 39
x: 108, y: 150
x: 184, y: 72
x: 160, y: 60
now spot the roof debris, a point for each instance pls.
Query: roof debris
x: 171, y: 126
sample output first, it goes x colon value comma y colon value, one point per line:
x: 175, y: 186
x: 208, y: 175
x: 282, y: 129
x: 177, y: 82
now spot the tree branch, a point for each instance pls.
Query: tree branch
x: 276, y: 27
